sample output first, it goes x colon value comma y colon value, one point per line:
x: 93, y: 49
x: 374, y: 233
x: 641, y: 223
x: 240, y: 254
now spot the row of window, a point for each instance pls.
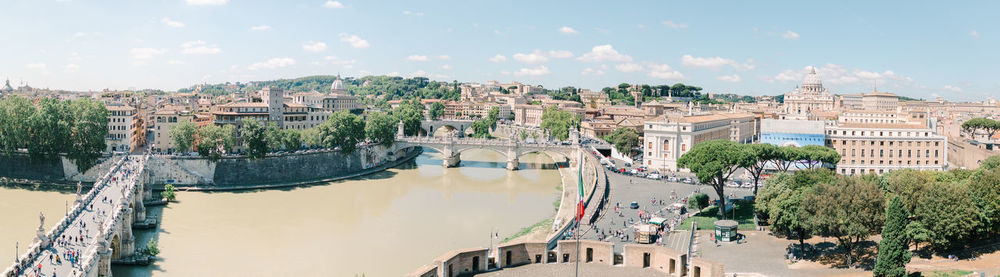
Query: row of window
x: 879, y: 133
x: 882, y: 162
x: 882, y: 152
x: 882, y: 142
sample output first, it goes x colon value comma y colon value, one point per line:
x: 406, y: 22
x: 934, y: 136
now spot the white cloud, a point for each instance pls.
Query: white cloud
x: 146, y: 53
x: 393, y: 74
x: 674, y: 25
x: 790, y: 35
x: 974, y: 33
x: 272, y: 63
x: 206, y: 2
x: 560, y: 54
x: 79, y: 34
x: 175, y: 62
x: 335, y: 60
x: 604, y: 53
x: 533, y: 57
x: 314, y: 46
x: 446, y: 67
x: 417, y: 58
x: 199, y: 48
x: 713, y: 62
x: 533, y: 71
x: 421, y: 73
x: 837, y: 74
x: 953, y: 88
x: 735, y: 78
x: 36, y: 65
x: 413, y: 13
x: 443, y: 57
x: 171, y: 23
x: 591, y: 72
x: 629, y: 67
x: 663, y: 71
x: 333, y: 5
x: 568, y: 30
x: 71, y: 67
x: 354, y: 41
x: 260, y: 28
x: 498, y: 58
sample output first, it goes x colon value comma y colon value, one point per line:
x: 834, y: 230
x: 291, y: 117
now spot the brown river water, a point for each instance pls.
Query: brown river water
x: 385, y: 224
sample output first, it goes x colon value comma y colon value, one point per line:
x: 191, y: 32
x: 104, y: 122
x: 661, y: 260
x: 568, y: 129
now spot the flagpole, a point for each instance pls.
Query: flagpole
x: 580, y: 212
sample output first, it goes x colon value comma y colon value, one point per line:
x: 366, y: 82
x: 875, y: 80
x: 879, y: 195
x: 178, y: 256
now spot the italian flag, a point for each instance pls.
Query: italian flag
x: 579, y: 182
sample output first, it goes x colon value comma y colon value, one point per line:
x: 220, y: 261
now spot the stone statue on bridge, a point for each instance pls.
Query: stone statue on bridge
x: 41, y: 221
x: 79, y: 187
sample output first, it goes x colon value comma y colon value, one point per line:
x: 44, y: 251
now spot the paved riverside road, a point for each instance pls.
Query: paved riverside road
x: 82, y: 234
x: 625, y: 189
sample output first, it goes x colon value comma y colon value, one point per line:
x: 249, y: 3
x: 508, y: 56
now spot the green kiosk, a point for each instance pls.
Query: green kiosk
x: 725, y: 230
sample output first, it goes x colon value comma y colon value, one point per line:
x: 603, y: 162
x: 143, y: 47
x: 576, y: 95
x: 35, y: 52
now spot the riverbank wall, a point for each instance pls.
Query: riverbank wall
x: 227, y: 173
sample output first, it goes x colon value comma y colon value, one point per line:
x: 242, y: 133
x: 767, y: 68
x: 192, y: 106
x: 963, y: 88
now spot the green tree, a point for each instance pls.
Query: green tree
x: 15, y: 116
x: 312, y: 138
x: 624, y: 139
x: 559, y: 122
x: 948, y: 215
x: 436, y: 110
x: 780, y: 202
x: 169, y: 193
x: 987, y: 125
x: 761, y: 154
x: 273, y: 136
x: 343, y: 130
x: 411, y: 115
x: 152, y: 247
x: 697, y: 202
x: 984, y: 186
x: 254, y: 139
x: 89, y: 130
x: 892, y: 250
x: 214, y: 141
x: 183, y: 136
x: 850, y: 210
x: 381, y: 128
x: 291, y: 140
x: 714, y: 161
x: 50, y: 129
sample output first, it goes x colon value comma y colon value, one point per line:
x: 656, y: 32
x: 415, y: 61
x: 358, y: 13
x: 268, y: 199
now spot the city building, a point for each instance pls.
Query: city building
x: 121, y: 121
x: 668, y: 137
x: 811, y: 96
x: 880, y: 101
x: 877, y: 148
x: 162, y: 121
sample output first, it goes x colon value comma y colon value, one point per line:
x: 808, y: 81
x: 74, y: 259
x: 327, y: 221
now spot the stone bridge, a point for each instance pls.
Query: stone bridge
x: 430, y: 126
x: 97, y: 230
x: 451, y: 148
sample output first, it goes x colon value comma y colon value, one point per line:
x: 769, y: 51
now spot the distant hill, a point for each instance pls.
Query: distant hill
x: 390, y: 86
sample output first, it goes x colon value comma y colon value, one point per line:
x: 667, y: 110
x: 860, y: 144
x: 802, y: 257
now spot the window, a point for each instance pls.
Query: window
x: 683, y: 147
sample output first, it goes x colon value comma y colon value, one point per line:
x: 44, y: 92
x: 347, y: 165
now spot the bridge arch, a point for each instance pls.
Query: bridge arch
x: 556, y: 156
x: 116, y: 247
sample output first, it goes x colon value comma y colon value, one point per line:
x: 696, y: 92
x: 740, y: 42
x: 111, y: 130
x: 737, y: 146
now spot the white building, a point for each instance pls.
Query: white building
x: 811, y: 96
x: 668, y: 137
x: 121, y: 119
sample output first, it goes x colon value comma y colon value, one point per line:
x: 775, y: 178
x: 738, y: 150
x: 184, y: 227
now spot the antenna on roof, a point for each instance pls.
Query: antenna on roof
x: 875, y: 86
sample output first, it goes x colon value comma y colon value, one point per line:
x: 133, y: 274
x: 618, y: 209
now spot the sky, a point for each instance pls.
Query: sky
x: 923, y: 49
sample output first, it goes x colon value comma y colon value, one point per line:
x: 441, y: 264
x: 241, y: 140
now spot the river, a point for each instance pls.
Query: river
x: 384, y: 224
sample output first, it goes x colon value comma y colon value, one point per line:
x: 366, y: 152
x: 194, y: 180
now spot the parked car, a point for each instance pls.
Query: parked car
x: 672, y: 179
x: 634, y: 171
x: 653, y: 176
x: 634, y: 205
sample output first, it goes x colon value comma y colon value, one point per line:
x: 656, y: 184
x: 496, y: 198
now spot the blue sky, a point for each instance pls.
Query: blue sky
x: 912, y: 48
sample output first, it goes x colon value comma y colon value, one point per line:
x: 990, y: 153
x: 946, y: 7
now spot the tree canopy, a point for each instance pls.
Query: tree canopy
x: 558, y: 122
x: 342, y: 130
x: 987, y: 125
x: 624, y: 139
x: 77, y: 128
x: 714, y: 161
x: 849, y: 209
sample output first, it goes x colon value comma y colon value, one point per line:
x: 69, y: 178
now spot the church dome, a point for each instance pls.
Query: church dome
x: 338, y: 85
x: 812, y: 83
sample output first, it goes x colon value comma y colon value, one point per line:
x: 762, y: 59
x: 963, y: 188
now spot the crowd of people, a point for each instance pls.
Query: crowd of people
x: 69, y: 246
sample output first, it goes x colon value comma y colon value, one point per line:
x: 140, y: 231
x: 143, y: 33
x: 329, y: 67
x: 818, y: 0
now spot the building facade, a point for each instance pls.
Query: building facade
x: 667, y: 138
x: 811, y: 96
x: 877, y: 148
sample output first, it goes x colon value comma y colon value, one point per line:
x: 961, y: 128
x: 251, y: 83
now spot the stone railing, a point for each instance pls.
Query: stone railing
x: 554, y: 238
x: 35, y: 248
